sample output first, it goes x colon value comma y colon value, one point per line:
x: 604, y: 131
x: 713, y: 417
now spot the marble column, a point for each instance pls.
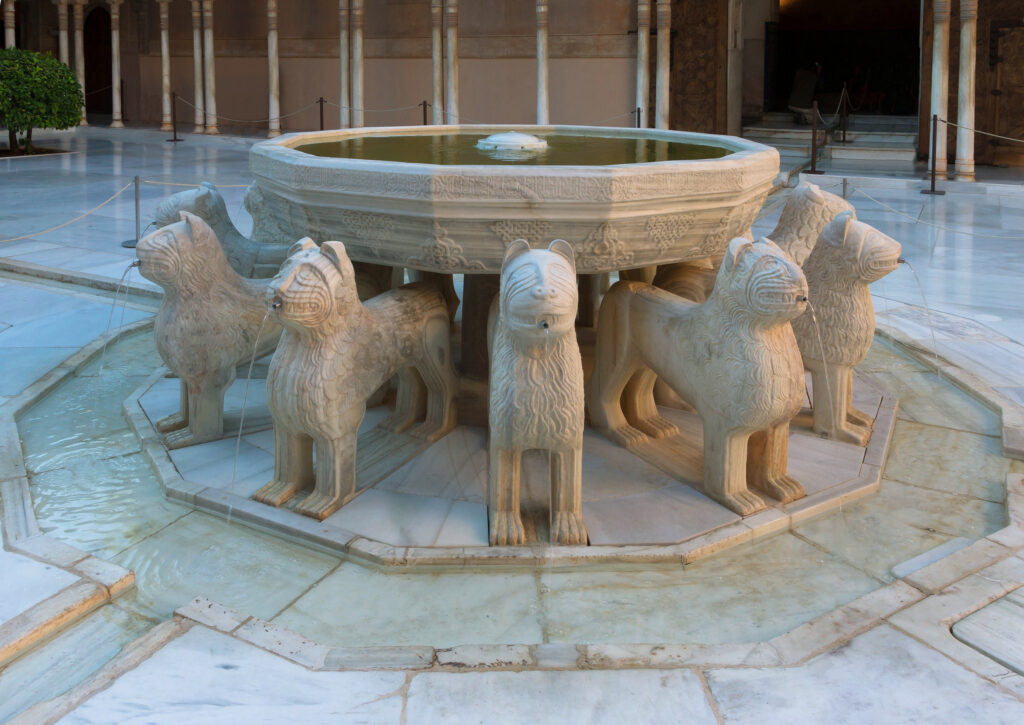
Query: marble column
x: 273, y: 72
x: 210, y: 75
x: 62, y: 30
x: 437, y: 61
x: 643, y: 59
x: 734, y: 70
x: 357, y: 63
x: 664, y: 16
x: 940, y: 82
x: 345, y: 107
x: 197, y: 66
x: 965, y: 104
x: 115, y: 63
x: 78, y: 13
x: 165, y: 67
x: 452, y: 79
x: 9, y: 34
x: 542, y: 62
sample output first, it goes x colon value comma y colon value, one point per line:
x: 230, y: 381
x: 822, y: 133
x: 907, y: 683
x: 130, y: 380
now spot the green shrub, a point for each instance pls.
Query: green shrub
x: 36, y: 91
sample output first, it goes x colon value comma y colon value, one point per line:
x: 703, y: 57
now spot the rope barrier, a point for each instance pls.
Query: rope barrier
x: 221, y: 117
x: 983, y: 133
x: 376, y: 110
x: 193, y: 186
x: 70, y: 221
x: 917, y: 220
x: 99, y: 90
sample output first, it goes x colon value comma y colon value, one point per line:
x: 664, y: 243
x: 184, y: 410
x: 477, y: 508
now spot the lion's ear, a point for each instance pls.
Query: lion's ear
x: 563, y: 248
x: 519, y: 246
x: 301, y: 245
x: 207, y: 186
x: 737, y: 247
x: 335, y: 251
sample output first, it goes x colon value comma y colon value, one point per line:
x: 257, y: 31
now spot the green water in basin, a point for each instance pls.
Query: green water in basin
x: 459, y: 149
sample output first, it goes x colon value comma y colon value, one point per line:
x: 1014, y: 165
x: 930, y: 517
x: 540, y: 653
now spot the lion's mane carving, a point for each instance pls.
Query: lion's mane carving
x: 734, y: 357
x: 207, y: 325
x: 536, y: 388
x: 849, y: 256
x: 335, y: 352
x: 806, y: 213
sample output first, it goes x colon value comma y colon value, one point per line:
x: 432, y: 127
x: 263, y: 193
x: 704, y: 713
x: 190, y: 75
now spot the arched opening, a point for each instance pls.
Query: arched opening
x: 98, y: 93
x: 871, y: 45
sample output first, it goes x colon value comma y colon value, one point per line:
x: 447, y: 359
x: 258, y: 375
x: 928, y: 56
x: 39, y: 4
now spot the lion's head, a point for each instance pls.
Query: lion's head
x: 854, y: 249
x: 538, y: 295
x: 761, y: 280
x: 314, y: 285
x: 179, y: 254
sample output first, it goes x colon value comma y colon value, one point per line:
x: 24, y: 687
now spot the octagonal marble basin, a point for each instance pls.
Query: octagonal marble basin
x: 459, y: 217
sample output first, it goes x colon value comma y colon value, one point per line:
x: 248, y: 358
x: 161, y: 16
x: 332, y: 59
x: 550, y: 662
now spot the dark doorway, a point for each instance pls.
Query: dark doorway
x: 98, y: 68
x: 871, y: 45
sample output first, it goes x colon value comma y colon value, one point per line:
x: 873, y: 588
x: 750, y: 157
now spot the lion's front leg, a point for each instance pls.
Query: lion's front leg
x: 567, y: 497
x: 767, y: 463
x: 205, y: 417
x: 506, y: 523
x: 293, y: 467
x: 176, y: 421
x: 335, y: 476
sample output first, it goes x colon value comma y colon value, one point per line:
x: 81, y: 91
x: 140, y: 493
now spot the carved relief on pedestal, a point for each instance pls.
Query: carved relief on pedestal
x: 536, y: 389
x: 603, y: 248
x: 209, y: 322
x: 336, y: 351
x: 440, y: 251
x: 734, y: 357
x: 849, y: 255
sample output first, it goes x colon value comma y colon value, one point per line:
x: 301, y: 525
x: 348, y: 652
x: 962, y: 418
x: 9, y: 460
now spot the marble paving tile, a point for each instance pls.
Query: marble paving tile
x: 227, y: 464
x: 999, y: 361
x: 61, y: 663
x: 208, y: 677
x: 954, y: 461
x: 997, y: 631
x: 921, y: 323
x: 465, y: 525
x: 400, y: 519
x: 819, y: 463
x: 884, y: 356
x: 22, y: 366
x: 597, y: 697
x: 751, y: 593
x: 453, y: 467
x: 880, y: 677
x: 670, y: 514
x: 927, y: 398
x: 102, y: 506
x: 231, y: 564
x: 437, y: 608
x: 28, y: 583
x: 898, y: 523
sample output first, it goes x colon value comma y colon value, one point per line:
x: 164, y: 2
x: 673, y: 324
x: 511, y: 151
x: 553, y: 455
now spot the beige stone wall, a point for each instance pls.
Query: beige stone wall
x: 591, y: 68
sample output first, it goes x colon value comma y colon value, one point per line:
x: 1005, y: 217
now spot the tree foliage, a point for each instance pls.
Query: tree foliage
x: 36, y: 91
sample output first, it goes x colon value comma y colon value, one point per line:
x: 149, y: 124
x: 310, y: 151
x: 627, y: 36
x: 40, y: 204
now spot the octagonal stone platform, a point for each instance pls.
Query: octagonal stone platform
x: 426, y: 504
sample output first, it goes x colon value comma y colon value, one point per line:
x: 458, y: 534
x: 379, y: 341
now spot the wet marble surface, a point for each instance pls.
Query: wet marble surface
x: 35, y: 582
x: 239, y: 683
x: 883, y: 676
x: 997, y: 630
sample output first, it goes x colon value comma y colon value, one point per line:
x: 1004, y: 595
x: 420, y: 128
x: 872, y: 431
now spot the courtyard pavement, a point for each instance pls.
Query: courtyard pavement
x: 965, y: 250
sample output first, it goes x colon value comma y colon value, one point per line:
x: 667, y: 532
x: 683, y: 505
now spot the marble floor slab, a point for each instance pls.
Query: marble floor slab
x: 881, y: 677
x: 596, y: 698
x: 997, y: 631
x: 209, y: 677
x: 34, y: 580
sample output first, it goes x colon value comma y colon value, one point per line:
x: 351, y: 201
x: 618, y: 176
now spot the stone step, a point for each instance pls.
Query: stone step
x: 870, y: 138
x: 894, y: 152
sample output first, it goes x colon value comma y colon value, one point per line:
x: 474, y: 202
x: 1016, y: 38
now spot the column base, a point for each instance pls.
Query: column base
x: 272, y: 133
x: 166, y: 126
x: 212, y: 130
x: 83, y: 122
x: 116, y: 124
x: 965, y: 172
x: 198, y: 129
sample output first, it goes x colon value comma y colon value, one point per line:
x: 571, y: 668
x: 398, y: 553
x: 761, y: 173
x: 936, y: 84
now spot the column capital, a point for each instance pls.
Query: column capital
x: 451, y: 9
x: 664, y: 12
x: 271, y: 15
x: 968, y: 9
x: 643, y: 15
x: 941, y: 10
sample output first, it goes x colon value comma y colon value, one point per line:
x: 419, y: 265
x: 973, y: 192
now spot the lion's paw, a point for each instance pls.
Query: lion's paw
x: 627, y: 436
x: 172, y: 422
x: 568, y: 528
x: 657, y: 427
x: 744, y: 502
x: 507, y: 529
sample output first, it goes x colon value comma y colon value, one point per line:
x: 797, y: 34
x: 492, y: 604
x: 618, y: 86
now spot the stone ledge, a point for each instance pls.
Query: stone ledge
x: 83, y: 279
x: 48, y: 616
x: 133, y: 654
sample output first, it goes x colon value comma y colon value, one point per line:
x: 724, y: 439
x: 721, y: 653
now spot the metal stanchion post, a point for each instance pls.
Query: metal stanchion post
x: 424, y: 104
x: 174, y: 120
x: 130, y: 243
x: 638, y: 112
x: 320, y: 100
x: 935, y: 139
x: 845, y: 99
x: 814, y: 140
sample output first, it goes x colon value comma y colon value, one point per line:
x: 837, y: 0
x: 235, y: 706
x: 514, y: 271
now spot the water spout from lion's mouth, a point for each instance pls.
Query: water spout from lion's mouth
x: 136, y: 263
x: 276, y: 304
x: 801, y: 298
x: 544, y: 324
x: 901, y: 260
